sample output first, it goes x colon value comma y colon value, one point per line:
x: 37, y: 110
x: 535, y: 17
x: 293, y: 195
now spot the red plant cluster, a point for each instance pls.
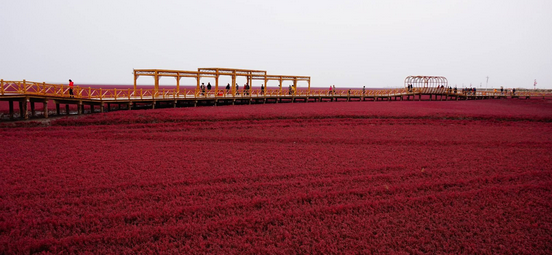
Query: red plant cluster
x: 401, y: 177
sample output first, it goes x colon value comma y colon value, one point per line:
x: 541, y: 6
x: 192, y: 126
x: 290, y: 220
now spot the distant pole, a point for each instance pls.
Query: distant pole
x: 487, y: 84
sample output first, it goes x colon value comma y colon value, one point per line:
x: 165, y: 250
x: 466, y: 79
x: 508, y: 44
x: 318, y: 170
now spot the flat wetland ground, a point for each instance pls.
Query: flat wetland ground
x: 335, y: 177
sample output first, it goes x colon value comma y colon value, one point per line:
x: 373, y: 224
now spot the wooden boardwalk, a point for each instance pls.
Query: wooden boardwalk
x: 28, y: 94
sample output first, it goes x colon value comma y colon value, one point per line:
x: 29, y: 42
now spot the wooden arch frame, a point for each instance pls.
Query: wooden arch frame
x: 215, y: 73
x: 425, y: 81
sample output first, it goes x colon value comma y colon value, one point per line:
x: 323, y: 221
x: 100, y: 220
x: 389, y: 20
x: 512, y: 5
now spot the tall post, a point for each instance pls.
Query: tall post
x: 294, y: 86
x: 135, y: 79
x: 308, y: 89
x: 197, y: 87
x: 2, y: 86
x: 233, y: 83
x: 156, y: 82
x: 177, y: 85
x: 280, y: 91
x: 265, y: 86
x: 216, y: 84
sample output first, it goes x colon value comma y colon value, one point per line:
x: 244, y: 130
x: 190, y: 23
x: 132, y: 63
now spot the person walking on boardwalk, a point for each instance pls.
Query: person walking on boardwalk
x: 363, y: 90
x: 237, y: 89
x: 71, y: 85
x: 209, y: 86
x: 262, y: 89
x: 330, y: 90
x: 334, y: 91
x: 228, y: 88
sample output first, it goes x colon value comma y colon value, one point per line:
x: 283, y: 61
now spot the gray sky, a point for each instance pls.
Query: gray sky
x: 346, y: 43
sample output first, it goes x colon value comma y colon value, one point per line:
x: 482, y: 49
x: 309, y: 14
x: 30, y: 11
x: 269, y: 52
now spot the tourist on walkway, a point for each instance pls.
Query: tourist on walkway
x: 262, y: 89
x: 209, y: 86
x: 363, y: 90
x: 71, y: 88
x: 228, y: 88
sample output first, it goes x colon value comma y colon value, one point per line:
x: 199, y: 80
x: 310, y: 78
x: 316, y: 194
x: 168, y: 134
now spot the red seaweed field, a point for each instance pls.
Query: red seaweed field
x: 469, y: 177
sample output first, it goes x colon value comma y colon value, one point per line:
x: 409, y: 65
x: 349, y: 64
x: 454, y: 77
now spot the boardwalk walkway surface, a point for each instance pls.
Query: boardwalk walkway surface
x: 27, y: 93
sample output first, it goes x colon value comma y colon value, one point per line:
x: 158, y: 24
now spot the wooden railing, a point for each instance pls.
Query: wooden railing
x: 60, y: 90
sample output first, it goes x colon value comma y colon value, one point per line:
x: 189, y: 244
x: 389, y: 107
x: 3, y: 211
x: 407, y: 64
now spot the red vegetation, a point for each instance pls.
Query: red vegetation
x: 413, y: 177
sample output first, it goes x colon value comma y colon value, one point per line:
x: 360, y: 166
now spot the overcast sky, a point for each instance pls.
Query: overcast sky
x: 346, y: 43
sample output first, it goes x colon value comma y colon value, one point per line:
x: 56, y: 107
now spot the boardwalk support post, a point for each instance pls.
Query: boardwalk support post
x: 45, y: 107
x: 33, y: 109
x: 11, y: 110
x: 25, y: 108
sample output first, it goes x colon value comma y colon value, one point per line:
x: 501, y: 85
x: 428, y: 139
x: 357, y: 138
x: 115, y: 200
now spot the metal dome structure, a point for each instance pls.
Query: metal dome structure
x: 425, y: 81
